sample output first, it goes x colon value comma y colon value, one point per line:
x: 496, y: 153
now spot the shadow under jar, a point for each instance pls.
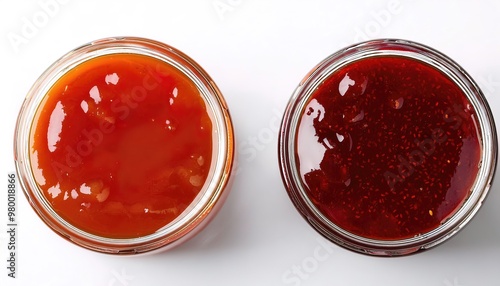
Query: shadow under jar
x: 125, y: 146
x: 387, y: 147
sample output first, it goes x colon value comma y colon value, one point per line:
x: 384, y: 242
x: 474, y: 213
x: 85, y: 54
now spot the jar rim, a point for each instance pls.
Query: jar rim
x: 209, y: 198
x: 289, y: 127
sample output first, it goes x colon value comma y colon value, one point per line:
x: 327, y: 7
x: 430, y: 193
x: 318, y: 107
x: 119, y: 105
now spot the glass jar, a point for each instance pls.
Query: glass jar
x: 387, y: 147
x: 179, y: 68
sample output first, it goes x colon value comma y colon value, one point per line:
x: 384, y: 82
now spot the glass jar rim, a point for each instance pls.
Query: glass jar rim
x: 210, y: 197
x: 295, y: 108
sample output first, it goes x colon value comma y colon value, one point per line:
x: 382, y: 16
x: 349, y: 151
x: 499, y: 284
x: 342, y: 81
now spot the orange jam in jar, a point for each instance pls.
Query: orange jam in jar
x: 128, y: 145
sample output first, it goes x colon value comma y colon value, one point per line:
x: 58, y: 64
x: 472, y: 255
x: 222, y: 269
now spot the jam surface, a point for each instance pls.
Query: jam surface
x: 388, y: 147
x: 121, y: 145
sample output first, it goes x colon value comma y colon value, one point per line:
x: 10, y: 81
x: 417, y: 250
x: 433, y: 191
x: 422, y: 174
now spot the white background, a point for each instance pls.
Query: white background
x: 257, y: 52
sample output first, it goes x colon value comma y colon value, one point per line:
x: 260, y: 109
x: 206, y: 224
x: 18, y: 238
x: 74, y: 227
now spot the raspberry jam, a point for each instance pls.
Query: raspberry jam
x: 387, y: 148
x: 124, y: 146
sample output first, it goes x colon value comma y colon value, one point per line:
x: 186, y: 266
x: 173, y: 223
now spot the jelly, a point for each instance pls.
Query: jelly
x: 121, y: 145
x: 388, y: 147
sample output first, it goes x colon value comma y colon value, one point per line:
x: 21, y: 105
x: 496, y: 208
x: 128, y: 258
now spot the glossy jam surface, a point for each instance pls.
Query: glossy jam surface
x: 121, y: 145
x: 388, y: 147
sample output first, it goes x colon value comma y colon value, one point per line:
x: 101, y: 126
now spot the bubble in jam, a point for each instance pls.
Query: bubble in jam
x: 388, y: 147
x: 121, y: 145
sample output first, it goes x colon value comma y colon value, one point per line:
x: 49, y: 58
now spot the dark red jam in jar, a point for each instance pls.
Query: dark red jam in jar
x: 388, y: 147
